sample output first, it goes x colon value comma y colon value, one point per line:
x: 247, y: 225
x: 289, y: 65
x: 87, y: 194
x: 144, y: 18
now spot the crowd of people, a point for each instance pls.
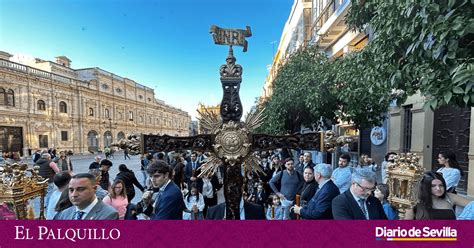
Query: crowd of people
x: 287, y: 189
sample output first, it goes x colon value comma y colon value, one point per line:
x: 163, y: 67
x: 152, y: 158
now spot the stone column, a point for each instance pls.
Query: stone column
x: 470, y: 154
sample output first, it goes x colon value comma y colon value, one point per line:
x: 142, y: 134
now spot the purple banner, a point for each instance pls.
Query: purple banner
x: 236, y: 233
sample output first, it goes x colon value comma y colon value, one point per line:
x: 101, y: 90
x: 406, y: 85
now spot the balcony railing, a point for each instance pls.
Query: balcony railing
x: 323, y: 16
x: 33, y: 71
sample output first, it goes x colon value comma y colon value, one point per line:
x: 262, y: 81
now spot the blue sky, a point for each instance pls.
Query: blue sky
x: 163, y: 44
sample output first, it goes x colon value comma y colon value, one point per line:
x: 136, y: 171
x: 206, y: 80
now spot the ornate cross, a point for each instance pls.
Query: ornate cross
x: 231, y: 141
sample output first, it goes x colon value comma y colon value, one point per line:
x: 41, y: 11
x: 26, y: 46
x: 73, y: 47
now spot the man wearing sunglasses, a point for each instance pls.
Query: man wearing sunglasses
x: 358, y: 203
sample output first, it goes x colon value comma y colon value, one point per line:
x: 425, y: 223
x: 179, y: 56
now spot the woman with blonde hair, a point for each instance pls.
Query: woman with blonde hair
x: 118, y: 198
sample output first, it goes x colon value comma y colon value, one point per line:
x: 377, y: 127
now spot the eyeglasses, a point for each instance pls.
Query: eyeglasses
x: 366, y: 189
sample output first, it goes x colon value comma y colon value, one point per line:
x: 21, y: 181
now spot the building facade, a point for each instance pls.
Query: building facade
x: 408, y: 128
x: 321, y: 23
x: 426, y: 133
x: 48, y: 104
x: 296, y: 33
x: 210, y: 109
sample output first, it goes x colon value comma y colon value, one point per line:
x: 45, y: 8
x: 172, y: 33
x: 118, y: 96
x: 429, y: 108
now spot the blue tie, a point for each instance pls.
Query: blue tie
x: 362, y: 207
x: 79, y: 215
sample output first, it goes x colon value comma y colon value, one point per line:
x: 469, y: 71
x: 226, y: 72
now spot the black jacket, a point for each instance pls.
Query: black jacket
x: 252, y: 212
x: 345, y: 207
x: 129, y: 179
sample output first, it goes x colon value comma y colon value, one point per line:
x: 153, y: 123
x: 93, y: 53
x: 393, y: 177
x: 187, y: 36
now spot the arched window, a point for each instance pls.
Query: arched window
x: 91, y: 112
x: 40, y: 105
x: 130, y: 116
x: 3, y: 96
x: 10, y: 98
x: 62, y: 107
x: 106, y: 113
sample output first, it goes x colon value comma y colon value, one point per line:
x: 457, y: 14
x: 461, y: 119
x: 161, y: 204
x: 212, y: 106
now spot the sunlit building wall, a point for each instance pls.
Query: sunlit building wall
x: 77, y: 109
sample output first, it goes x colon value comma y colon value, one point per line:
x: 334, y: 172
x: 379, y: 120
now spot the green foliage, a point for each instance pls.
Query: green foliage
x: 361, y: 88
x: 309, y: 86
x: 298, y: 94
x: 430, y: 43
x: 421, y: 46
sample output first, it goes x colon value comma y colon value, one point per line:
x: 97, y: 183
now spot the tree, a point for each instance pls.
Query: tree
x: 430, y: 45
x: 418, y: 46
x: 360, y: 84
x: 310, y: 86
x: 299, y: 97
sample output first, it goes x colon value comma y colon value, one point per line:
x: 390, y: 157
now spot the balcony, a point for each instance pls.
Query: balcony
x: 33, y: 71
x: 329, y: 24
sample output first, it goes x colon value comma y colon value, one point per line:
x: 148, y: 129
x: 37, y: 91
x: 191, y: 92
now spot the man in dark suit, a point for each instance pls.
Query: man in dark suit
x: 300, y: 166
x: 308, y: 160
x: 251, y: 211
x: 167, y: 202
x: 319, y: 207
x: 86, y: 206
x: 357, y: 203
x: 191, y: 172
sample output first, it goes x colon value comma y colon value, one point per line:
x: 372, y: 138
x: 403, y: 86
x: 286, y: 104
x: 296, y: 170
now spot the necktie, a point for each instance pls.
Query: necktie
x: 362, y: 207
x: 79, y: 215
x: 194, y: 165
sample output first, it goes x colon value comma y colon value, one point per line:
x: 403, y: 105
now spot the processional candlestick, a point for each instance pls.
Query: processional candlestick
x: 404, y: 176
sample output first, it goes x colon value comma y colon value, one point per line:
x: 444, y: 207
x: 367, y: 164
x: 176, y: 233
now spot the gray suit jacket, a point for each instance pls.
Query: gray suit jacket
x: 100, y: 211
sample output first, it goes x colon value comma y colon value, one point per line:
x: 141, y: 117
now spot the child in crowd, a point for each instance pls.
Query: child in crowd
x: 194, y: 202
x: 275, y: 211
x: 382, y: 193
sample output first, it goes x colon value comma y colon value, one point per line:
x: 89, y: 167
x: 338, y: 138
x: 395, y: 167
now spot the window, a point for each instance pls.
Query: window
x: 106, y: 113
x: 130, y: 116
x: 149, y: 120
x: 62, y: 107
x: 63, y: 135
x: 91, y: 112
x: 407, y: 128
x: 40, y: 105
x: 7, y: 97
x: 141, y: 119
x: 10, y: 99
x: 2, y: 96
x: 43, y: 140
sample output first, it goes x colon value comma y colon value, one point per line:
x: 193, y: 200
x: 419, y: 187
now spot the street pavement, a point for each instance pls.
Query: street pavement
x: 81, y: 164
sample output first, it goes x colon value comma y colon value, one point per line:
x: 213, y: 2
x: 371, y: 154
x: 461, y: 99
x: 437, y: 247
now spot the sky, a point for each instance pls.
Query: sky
x: 162, y: 44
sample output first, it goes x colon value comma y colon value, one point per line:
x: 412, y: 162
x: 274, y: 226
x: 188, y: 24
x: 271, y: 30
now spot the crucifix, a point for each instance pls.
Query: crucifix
x: 231, y: 142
